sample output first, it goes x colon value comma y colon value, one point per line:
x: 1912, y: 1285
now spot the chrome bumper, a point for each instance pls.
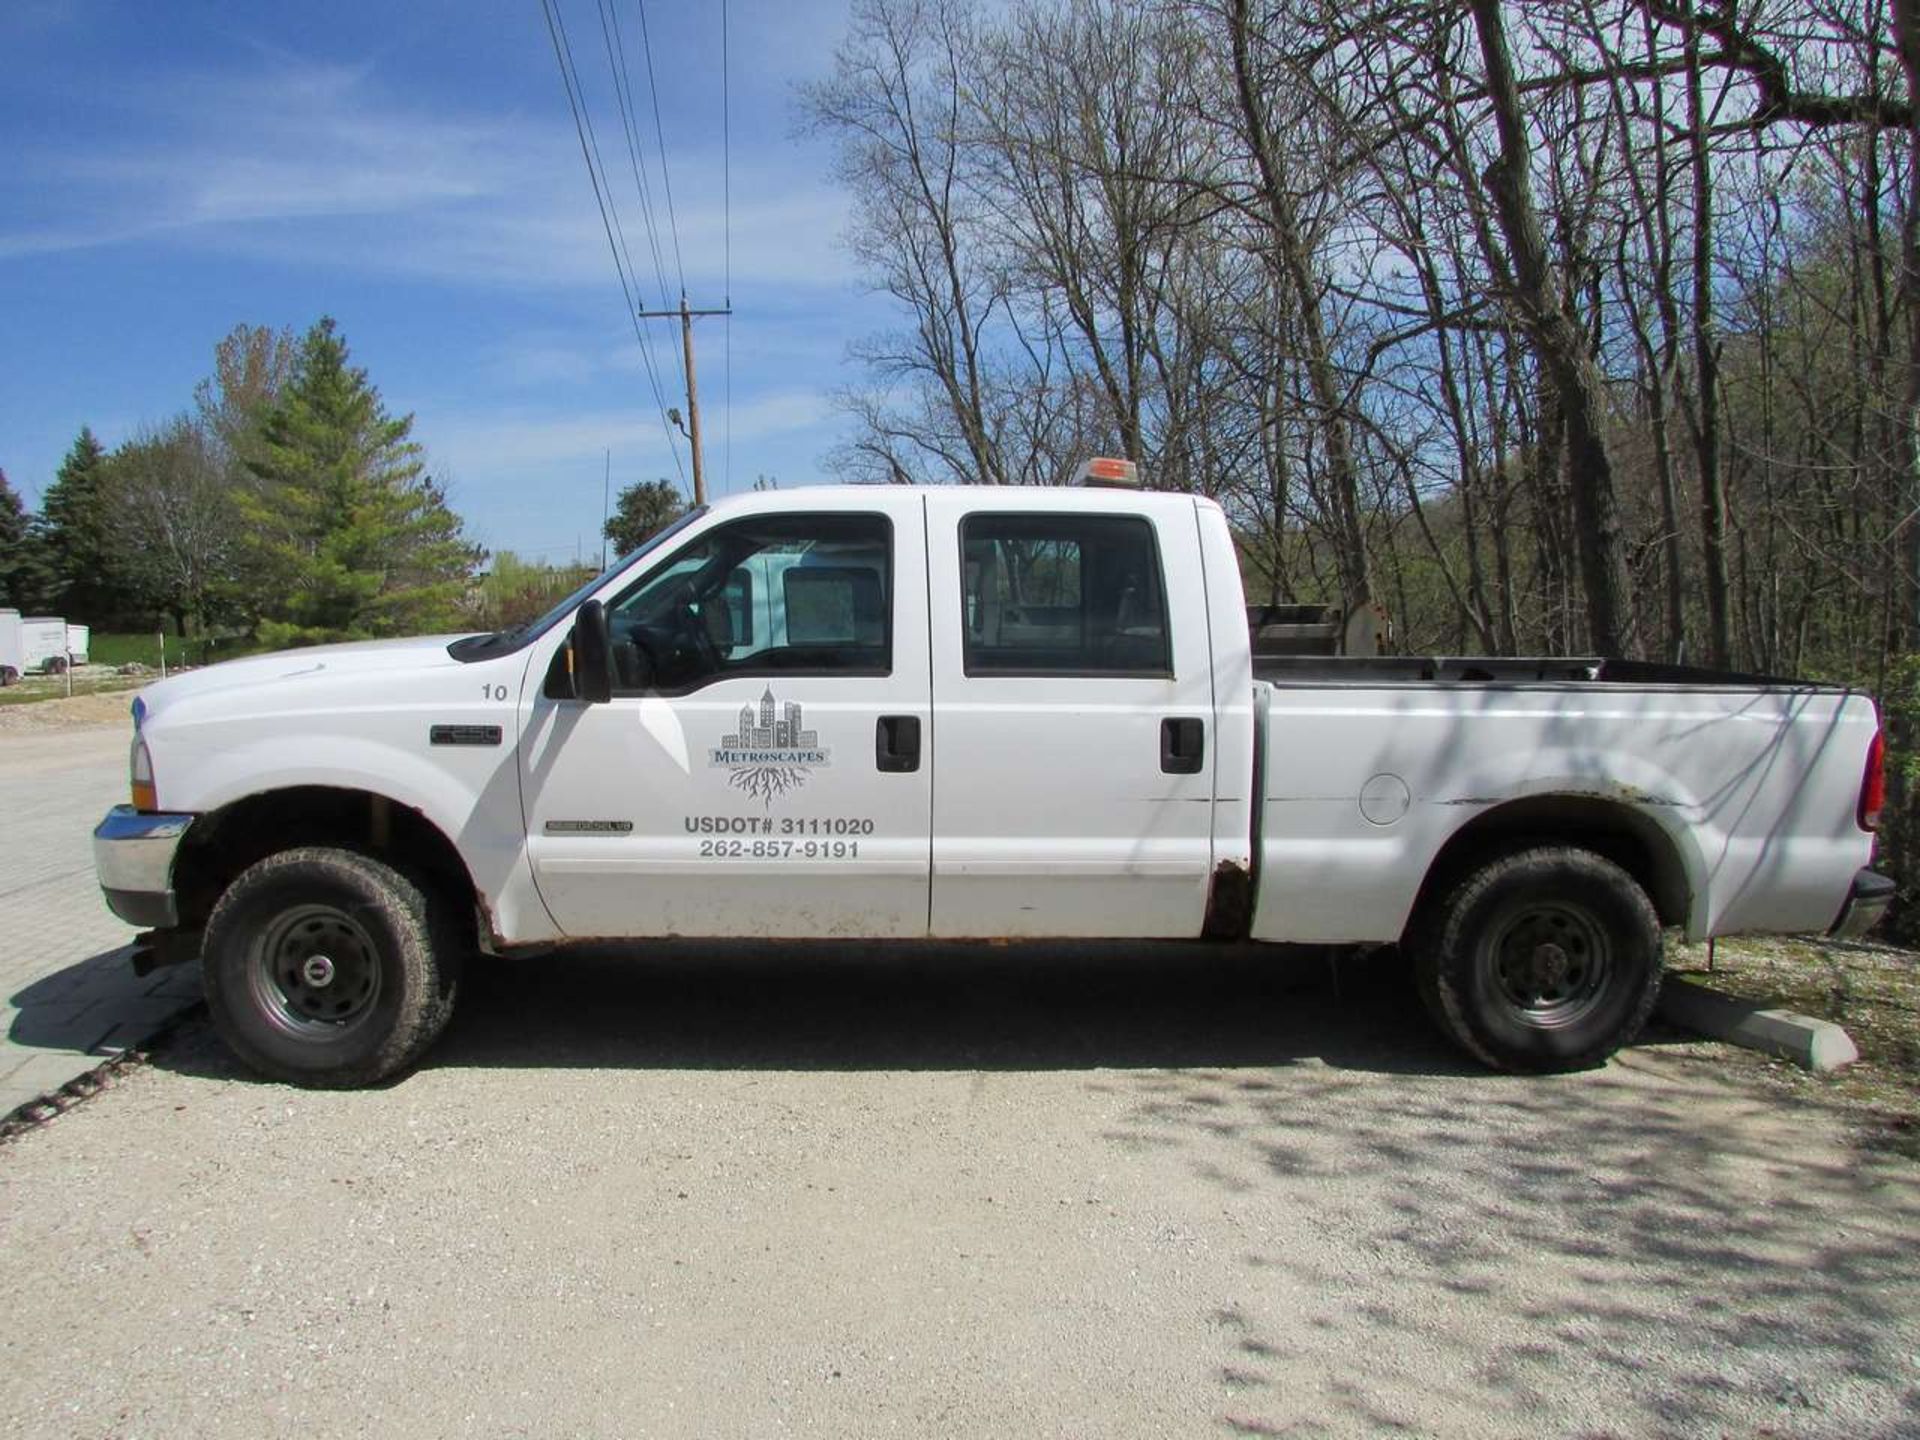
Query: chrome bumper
x: 1866, y: 903
x: 133, y: 858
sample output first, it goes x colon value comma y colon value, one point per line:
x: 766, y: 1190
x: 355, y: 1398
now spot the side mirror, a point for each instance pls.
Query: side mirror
x: 592, y: 654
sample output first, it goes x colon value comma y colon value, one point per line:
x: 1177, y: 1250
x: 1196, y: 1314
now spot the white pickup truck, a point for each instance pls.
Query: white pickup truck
x: 906, y: 713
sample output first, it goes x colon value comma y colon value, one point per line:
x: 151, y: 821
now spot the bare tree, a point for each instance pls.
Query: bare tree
x: 894, y: 102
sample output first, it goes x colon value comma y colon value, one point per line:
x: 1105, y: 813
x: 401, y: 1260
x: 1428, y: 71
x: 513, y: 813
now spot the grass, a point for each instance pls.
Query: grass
x: 33, y: 689
x: 108, y: 649
x: 118, y: 648
x: 1871, y: 991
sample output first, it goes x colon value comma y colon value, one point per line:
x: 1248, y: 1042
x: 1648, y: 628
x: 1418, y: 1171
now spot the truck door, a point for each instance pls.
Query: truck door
x: 1074, y: 719
x: 760, y: 768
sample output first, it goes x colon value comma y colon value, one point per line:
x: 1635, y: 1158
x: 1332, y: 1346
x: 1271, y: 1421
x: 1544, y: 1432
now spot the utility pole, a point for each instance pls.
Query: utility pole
x: 692, y: 431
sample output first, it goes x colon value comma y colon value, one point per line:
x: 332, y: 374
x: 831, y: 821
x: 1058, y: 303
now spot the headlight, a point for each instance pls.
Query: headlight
x: 140, y: 773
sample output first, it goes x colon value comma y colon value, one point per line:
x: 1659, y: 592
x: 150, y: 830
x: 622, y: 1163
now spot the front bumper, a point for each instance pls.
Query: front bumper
x: 133, y: 858
x: 1866, y: 903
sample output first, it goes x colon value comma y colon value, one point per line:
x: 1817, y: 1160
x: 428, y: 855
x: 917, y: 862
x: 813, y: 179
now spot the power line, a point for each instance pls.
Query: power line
x: 660, y: 140
x: 603, y: 198
x: 615, y: 40
x: 726, y: 246
x: 726, y: 160
x: 569, y: 65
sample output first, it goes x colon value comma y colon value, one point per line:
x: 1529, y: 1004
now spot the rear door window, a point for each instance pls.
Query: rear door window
x: 1063, y: 594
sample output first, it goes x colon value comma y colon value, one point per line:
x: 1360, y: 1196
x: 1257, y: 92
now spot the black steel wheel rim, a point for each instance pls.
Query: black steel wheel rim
x: 314, y: 972
x: 1551, y: 962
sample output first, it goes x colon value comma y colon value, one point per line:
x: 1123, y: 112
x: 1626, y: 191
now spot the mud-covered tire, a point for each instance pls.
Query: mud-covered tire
x: 1542, y: 960
x: 328, y: 968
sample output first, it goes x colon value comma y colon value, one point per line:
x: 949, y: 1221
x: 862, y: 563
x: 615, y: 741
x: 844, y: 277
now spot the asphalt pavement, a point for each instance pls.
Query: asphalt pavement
x: 71, y: 1001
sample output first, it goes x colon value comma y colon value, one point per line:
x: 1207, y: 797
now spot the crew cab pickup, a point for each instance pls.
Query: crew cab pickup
x: 911, y: 713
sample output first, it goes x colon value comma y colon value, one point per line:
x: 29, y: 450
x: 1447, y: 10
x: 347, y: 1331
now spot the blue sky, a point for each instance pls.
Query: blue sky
x: 412, y: 170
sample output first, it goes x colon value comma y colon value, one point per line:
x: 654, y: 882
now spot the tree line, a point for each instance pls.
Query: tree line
x: 1579, y: 326
x: 287, y: 504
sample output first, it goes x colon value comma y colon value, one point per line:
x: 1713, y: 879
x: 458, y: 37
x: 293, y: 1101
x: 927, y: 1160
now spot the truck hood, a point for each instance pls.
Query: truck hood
x: 242, y: 679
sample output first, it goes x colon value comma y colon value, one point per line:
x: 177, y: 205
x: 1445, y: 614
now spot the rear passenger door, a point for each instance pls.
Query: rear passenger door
x: 1073, y: 705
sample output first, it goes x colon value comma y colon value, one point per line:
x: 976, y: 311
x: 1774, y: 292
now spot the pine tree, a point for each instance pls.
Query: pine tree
x: 13, y: 533
x: 24, y: 578
x: 348, y: 537
x: 76, y: 540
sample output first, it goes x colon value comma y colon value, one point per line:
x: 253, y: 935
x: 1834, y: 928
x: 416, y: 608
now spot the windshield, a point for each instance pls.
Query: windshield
x: 500, y: 642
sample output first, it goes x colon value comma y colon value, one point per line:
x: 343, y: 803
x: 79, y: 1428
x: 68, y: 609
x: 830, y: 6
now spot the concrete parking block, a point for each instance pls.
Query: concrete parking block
x: 1809, y: 1043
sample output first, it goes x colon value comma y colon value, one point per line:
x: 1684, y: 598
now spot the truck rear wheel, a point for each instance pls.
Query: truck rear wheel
x: 328, y: 968
x: 1545, y: 959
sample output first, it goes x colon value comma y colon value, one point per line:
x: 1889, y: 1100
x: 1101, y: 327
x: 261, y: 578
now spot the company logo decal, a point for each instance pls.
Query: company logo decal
x: 772, y: 752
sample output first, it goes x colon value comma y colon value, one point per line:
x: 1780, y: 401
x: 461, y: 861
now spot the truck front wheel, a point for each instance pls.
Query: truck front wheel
x: 1545, y: 959
x: 328, y: 968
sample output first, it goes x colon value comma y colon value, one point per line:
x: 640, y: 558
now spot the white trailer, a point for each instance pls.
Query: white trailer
x: 12, y: 649
x: 39, y: 644
x: 43, y: 645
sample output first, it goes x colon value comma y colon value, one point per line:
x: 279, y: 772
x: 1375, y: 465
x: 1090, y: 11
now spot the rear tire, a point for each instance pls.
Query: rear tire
x: 57, y: 665
x: 330, y: 969
x: 1543, y: 960
x: 8, y: 676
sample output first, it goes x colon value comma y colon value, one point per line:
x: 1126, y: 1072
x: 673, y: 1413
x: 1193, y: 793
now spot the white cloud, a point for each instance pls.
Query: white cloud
x: 315, y: 166
x: 531, y: 443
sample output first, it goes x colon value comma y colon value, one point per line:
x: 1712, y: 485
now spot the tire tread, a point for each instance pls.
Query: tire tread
x: 429, y: 952
x: 1441, y: 967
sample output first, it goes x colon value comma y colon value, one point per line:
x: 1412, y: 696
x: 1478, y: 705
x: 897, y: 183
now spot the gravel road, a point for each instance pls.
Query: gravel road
x: 100, y: 709
x: 963, y: 1191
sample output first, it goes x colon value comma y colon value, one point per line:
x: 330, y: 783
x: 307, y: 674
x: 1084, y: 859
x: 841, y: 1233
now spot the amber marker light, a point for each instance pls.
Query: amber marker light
x: 140, y: 770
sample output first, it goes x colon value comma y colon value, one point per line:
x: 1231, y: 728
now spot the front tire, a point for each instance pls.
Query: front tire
x: 1544, y: 960
x: 328, y: 968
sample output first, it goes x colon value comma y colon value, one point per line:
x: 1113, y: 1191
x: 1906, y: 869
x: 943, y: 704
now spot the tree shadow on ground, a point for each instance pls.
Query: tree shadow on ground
x: 1642, y: 1250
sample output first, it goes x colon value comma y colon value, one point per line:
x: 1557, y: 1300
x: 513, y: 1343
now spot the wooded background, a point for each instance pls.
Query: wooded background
x: 1571, y: 327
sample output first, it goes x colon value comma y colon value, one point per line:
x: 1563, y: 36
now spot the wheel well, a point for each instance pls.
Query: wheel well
x: 1618, y: 832
x: 222, y: 843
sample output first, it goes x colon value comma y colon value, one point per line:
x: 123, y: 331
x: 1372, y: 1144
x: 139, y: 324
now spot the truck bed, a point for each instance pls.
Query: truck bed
x: 1742, y: 787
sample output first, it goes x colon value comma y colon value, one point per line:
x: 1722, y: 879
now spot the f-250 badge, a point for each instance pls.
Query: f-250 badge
x: 772, y: 752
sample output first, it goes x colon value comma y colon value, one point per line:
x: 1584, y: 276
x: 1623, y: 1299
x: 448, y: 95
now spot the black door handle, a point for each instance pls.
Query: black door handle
x: 896, y: 743
x: 1183, y: 745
